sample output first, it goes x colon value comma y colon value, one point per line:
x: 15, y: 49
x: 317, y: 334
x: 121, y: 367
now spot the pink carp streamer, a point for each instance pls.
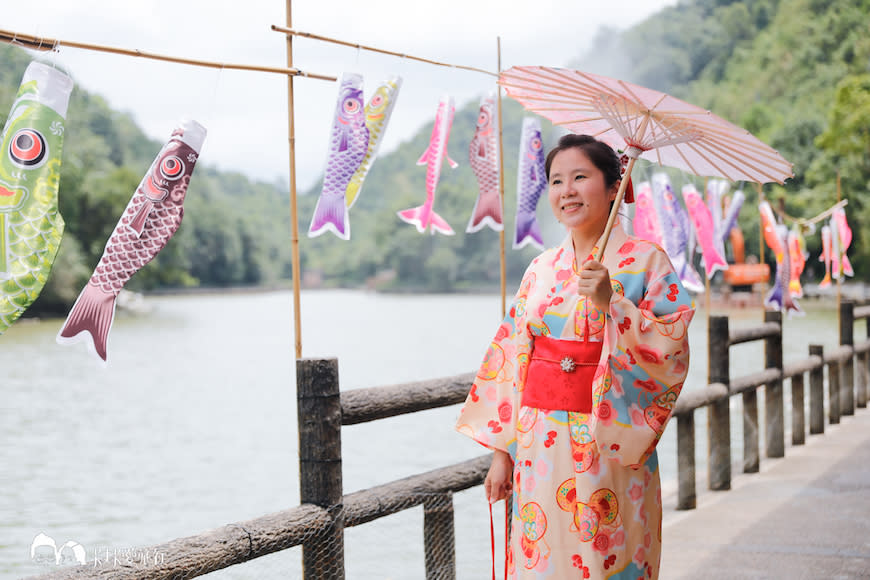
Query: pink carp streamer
x: 836, y: 238
x: 151, y: 218
x: 424, y: 216
x: 705, y: 230
x: 844, y: 237
x: 646, y: 221
x: 484, y: 160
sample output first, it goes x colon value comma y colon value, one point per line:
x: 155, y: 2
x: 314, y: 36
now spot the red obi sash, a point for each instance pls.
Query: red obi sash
x: 560, y: 374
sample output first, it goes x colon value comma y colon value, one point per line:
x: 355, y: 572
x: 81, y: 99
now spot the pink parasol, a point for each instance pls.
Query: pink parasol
x: 648, y: 124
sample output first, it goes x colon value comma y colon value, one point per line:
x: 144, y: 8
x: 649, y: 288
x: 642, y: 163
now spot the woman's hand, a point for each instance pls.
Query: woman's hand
x: 498, y: 479
x: 594, y: 283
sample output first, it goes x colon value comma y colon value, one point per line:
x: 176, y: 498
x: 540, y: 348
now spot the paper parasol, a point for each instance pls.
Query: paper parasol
x: 646, y: 123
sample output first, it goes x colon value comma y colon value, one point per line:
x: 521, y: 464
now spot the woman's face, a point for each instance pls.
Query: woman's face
x: 578, y: 196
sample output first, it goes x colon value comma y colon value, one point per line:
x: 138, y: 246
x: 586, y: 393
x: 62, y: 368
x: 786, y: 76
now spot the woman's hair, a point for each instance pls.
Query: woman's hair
x: 599, y: 153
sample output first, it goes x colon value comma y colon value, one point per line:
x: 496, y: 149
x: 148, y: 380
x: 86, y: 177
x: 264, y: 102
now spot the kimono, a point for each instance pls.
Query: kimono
x: 586, y: 497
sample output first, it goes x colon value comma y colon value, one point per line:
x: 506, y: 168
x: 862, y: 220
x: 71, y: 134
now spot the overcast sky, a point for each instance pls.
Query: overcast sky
x: 246, y: 112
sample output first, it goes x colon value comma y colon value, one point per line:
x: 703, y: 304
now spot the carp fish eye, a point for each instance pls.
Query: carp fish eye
x: 483, y: 119
x: 172, y: 168
x: 28, y: 148
x: 536, y: 144
x: 351, y: 106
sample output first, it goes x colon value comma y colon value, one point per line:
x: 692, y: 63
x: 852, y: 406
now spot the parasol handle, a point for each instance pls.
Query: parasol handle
x: 615, y: 209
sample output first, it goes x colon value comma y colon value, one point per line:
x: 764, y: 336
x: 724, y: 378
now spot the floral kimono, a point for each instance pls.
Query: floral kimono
x: 586, y: 497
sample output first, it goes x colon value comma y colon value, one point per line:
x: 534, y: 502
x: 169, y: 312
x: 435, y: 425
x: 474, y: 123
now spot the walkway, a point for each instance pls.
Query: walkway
x: 804, y: 516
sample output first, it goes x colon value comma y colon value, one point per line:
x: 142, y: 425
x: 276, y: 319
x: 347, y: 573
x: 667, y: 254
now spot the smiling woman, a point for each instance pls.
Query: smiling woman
x: 578, y: 384
x: 581, y: 194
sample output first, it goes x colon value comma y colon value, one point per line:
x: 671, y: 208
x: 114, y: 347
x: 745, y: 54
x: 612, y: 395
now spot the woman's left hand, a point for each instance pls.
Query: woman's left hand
x: 594, y: 283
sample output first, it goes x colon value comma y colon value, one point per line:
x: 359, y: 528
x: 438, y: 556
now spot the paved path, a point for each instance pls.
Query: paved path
x: 804, y: 516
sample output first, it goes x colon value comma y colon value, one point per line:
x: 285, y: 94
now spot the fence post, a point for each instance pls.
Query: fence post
x: 718, y: 414
x: 867, y: 358
x: 773, y: 406
x: 833, y: 392
x: 817, y: 392
x: 686, y: 498
x: 318, y: 406
x: 751, y: 453
x: 861, y: 377
x: 438, y: 537
x: 847, y: 370
x: 863, y: 373
x: 798, y: 424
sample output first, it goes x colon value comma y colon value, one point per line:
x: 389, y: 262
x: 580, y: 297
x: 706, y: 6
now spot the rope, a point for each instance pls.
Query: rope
x: 506, y: 536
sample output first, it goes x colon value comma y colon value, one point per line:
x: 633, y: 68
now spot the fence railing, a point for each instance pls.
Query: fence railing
x: 318, y: 523
x: 845, y: 391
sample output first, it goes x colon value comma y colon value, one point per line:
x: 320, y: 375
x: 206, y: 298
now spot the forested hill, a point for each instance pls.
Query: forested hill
x: 105, y: 157
x: 794, y: 72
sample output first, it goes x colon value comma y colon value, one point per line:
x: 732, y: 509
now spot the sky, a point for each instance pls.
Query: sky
x: 246, y: 113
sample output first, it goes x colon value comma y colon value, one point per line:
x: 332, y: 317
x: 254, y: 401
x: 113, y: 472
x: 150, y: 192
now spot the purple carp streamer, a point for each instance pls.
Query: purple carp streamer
x: 348, y: 145
x: 531, y: 183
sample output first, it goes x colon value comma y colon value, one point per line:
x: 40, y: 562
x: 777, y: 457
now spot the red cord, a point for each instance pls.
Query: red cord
x: 506, y: 536
x: 491, y: 538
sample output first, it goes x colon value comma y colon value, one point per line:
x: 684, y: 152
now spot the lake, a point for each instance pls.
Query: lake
x: 192, y: 425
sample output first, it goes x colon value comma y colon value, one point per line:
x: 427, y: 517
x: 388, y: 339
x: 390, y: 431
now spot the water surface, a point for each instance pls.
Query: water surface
x: 192, y: 425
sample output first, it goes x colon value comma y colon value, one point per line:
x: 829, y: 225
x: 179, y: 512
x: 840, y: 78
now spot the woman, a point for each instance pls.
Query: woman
x: 575, y: 389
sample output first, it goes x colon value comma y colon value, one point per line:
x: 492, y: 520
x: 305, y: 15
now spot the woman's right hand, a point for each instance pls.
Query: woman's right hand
x: 499, y: 477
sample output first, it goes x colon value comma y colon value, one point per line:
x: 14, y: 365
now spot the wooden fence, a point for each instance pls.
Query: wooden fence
x: 846, y: 390
x: 318, y: 523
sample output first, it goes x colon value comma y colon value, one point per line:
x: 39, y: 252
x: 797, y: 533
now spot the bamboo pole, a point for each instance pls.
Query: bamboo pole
x: 623, y: 184
x: 708, y: 299
x: 501, y: 235
x: 291, y: 32
x: 294, y: 215
x: 760, y: 228
x: 615, y: 210
x: 815, y: 219
x: 761, y: 245
x: 839, y: 265
x: 47, y: 44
